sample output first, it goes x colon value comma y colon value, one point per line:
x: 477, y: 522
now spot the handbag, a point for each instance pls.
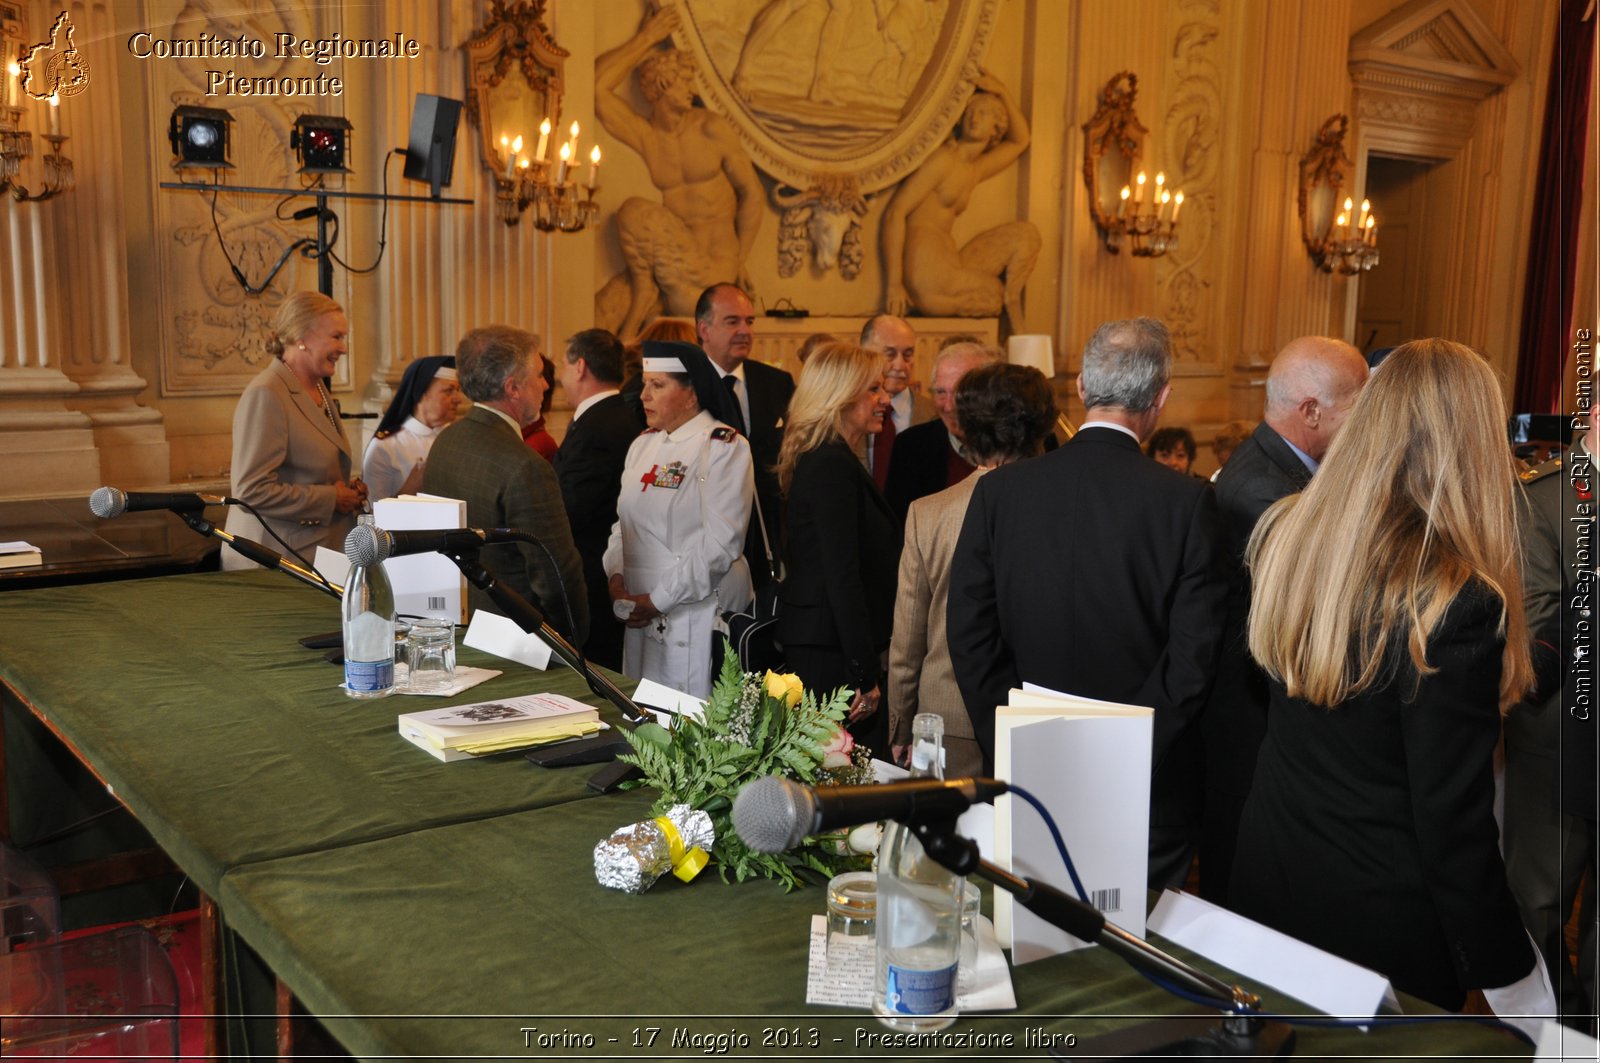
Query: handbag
x: 752, y: 634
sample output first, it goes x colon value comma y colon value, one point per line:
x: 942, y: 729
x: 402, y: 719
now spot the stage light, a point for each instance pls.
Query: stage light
x: 321, y: 141
x: 199, y: 137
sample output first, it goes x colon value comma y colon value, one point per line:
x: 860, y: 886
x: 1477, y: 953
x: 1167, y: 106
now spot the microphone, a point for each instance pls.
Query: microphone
x: 112, y: 502
x: 368, y: 545
x: 774, y: 814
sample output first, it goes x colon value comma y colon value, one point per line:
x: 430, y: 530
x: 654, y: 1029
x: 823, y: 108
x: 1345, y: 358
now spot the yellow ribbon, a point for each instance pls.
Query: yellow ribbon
x: 686, y: 865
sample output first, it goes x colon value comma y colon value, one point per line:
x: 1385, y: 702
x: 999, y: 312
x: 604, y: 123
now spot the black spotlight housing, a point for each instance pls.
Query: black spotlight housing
x: 321, y: 141
x: 199, y: 137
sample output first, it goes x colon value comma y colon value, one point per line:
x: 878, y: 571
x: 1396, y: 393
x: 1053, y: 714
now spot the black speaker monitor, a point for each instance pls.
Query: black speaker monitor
x: 431, y: 154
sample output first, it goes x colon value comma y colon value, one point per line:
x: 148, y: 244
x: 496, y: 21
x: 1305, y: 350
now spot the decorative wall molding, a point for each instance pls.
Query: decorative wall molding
x: 1419, y: 74
x: 1436, y: 47
x: 1191, y: 128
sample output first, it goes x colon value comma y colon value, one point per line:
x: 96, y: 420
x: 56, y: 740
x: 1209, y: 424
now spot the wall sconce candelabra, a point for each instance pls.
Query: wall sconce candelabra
x: 1143, y: 217
x: 16, y: 143
x: 1338, y: 238
x: 553, y: 195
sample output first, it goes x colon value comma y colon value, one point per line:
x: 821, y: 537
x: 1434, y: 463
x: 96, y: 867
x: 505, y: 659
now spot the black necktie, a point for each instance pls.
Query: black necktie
x: 738, y: 411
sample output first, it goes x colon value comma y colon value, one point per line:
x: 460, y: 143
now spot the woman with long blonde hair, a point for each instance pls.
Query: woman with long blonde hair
x: 842, y: 541
x: 1387, y: 613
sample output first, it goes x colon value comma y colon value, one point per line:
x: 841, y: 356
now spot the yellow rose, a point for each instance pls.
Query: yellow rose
x: 786, y: 688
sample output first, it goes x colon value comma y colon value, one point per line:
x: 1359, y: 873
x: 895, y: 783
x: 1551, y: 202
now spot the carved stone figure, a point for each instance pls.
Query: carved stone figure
x: 702, y: 230
x: 826, y: 219
x: 923, y: 266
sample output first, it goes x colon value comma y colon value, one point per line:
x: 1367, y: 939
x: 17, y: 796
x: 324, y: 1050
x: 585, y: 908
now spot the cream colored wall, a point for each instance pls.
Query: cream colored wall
x: 1236, y: 88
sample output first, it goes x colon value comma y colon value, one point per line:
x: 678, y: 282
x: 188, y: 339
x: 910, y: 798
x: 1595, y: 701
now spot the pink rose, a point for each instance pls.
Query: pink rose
x: 836, y: 754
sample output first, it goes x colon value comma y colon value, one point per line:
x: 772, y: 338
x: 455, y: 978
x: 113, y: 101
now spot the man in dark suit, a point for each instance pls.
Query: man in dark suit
x: 895, y: 339
x: 927, y: 457
x: 589, y: 466
x: 505, y: 483
x: 1096, y: 571
x: 724, y: 319
x: 1311, y: 386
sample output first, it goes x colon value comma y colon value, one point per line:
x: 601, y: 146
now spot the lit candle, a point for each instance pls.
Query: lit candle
x: 1372, y: 230
x: 1366, y: 209
x: 1177, y: 205
x: 1161, y: 208
x: 13, y: 86
x: 544, y: 138
x: 572, y: 139
x: 55, y: 115
x: 566, y: 157
x: 1349, y: 213
x: 1138, y: 189
x: 1341, y: 222
x: 594, y: 165
x: 1122, y: 207
x: 1161, y: 180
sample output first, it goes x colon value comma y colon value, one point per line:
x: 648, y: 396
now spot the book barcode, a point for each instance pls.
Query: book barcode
x: 1106, y: 900
x: 435, y: 602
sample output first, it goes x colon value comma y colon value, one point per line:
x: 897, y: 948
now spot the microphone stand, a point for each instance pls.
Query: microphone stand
x: 529, y: 619
x: 263, y: 556
x: 1238, y: 1031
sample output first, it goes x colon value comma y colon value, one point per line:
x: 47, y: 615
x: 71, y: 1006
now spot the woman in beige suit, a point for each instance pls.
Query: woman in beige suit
x: 291, y: 460
x: 1005, y: 412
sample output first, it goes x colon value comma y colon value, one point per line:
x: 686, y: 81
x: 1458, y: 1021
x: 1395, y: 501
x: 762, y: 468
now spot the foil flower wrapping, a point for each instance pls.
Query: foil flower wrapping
x: 636, y: 855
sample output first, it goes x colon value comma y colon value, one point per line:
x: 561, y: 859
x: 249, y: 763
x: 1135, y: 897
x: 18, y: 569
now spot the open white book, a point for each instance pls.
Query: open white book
x: 1088, y: 761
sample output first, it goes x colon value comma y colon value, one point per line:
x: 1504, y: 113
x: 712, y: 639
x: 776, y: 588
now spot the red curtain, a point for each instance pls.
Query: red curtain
x: 1553, y: 248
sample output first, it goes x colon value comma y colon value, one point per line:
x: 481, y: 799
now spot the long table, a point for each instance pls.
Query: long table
x: 432, y: 910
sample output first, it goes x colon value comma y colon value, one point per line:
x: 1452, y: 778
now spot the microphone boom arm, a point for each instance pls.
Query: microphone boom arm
x: 527, y: 617
x: 960, y: 854
x: 262, y: 556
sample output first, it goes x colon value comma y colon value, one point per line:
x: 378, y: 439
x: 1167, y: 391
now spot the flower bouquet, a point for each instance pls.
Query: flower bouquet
x: 754, y: 726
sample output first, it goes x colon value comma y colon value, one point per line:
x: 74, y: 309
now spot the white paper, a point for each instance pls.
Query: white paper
x: 18, y: 547
x: 1563, y: 1042
x: 466, y: 678
x: 334, y: 566
x: 651, y: 693
x: 846, y: 978
x: 1329, y: 984
x: 493, y: 633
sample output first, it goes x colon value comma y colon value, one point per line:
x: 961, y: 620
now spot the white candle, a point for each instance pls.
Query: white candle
x: 1366, y: 209
x: 1348, y: 215
x: 54, y: 111
x: 511, y: 158
x: 594, y: 165
x: 13, y: 83
x: 1161, y: 208
x: 1122, y: 207
x: 1177, y: 205
x: 1372, y: 230
x: 544, y: 138
x: 572, y: 140
x: 566, y: 157
x: 1138, y: 188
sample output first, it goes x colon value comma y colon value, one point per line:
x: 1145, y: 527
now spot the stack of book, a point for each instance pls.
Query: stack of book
x: 19, y: 555
x: 465, y: 731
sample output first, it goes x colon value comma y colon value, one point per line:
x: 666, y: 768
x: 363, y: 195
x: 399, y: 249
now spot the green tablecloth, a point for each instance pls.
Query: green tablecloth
x: 450, y: 941
x: 381, y: 884
x: 231, y: 743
